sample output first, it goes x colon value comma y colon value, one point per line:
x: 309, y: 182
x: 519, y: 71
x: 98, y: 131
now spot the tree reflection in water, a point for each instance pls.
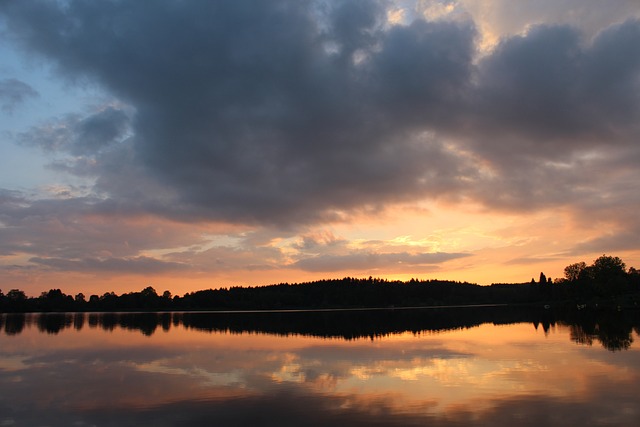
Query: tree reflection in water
x: 438, y: 367
x: 613, y: 330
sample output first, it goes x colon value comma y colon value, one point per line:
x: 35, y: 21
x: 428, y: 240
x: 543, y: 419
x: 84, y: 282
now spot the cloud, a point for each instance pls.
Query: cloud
x: 529, y: 260
x: 364, y: 261
x: 14, y: 92
x: 134, y: 265
x: 80, y: 136
x: 246, y: 115
x: 550, y: 118
x: 285, y: 115
x: 320, y: 239
x: 504, y: 18
x: 85, y: 228
x: 609, y: 242
x: 548, y: 86
x: 221, y: 258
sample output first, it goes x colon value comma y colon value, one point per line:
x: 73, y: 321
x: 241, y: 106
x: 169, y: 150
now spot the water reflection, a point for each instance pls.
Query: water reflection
x: 423, y: 367
x: 613, y: 330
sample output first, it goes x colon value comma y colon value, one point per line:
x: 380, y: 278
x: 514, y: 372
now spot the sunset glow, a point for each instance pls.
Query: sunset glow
x: 195, y: 145
x: 432, y: 373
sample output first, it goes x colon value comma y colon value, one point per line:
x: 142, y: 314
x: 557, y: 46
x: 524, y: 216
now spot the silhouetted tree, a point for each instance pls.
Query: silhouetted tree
x: 16, y: 295
x: 609, y: 275
x: 149, y: 298
x: 108, y: 301
x: 606, y: 277
x: 94, y: 302
x: 609, y: 270
x: 634, y: 279
x: 573, y: 272
x: 607, y: 266
x: 55, y: 300
x: 16, y: 300
x: 149, y: 292
x: 543, y: 278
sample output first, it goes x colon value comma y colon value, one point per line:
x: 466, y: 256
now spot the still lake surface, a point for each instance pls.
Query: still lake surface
x: 389, y: 367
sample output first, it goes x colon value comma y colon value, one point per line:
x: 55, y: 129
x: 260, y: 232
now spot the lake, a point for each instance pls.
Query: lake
x: 443, y: 367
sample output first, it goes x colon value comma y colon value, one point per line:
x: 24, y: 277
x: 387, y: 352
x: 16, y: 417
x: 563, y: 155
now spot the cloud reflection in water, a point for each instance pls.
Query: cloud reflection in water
x: 488, y: 374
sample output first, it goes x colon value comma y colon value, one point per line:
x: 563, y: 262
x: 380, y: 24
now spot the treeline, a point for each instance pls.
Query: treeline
x: 607, y: 279
x: 340, y: 293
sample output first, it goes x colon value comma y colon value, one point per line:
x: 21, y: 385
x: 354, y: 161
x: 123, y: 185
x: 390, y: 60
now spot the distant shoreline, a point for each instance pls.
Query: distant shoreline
x: 605, y: 283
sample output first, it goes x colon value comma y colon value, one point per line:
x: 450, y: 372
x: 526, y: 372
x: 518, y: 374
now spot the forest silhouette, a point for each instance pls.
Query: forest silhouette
x: 598, y: 302
x: 605, y: 283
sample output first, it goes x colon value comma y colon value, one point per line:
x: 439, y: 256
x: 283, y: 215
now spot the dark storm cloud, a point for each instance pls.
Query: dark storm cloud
x: 14, y: 92
x: 287, y: 112
x: 258, y: 111
x: 554, y: 120
x: 422, y: 74
x: 80, y: 136
x: 558, y: 92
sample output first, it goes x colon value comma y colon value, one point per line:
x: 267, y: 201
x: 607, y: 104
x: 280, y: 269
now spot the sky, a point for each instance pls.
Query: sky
x: 194, y: 145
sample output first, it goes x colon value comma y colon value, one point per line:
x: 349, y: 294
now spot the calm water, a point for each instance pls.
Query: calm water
x: 421, y: 367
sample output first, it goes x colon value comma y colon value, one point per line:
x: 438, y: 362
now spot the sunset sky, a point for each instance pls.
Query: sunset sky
x: 194, y: 144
